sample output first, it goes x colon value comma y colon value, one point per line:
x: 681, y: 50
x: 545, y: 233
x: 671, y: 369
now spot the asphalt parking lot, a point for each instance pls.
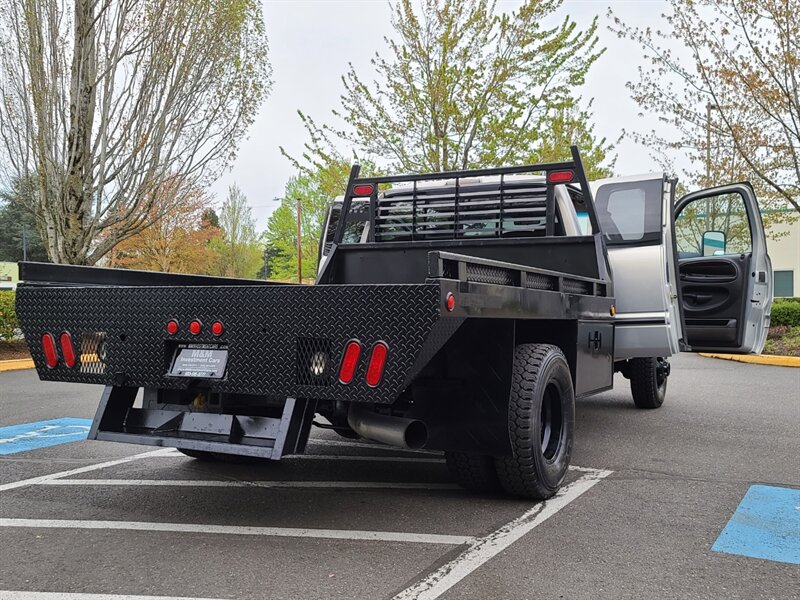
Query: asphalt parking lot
x: 650, y: 495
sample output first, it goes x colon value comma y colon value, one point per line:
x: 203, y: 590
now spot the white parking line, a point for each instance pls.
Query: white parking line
x: 95, y: 467
x: 18, y: 595
x: 485, y: 548
x: 334, y: 534
x: 378, y: 485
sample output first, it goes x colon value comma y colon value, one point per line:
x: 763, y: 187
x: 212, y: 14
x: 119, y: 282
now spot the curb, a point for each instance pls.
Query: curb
x: 757, y: 359
x: 16, y: 364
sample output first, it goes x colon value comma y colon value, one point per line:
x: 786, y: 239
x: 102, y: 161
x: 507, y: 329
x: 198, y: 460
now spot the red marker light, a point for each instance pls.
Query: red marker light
x: 363, y: 190
x: 49, y: 347
x: 172, y: 327
x: 217, y: 328
x: 67, y: 351
x: 347, y: 371
x: 377, y: 362
x: 195, y: 327
x: 450, y: 301
x: 560, y: 176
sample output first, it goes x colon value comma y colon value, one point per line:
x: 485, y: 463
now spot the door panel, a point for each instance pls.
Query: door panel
x: 725, y: 272
x: 635, y: 214
x: 713, y: 292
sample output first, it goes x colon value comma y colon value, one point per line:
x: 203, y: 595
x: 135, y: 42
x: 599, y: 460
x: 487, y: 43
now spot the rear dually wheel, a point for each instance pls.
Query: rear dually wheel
x: 541, y: 423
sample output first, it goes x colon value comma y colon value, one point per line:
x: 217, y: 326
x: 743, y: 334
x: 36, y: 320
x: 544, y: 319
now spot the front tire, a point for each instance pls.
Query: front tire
x: 648, y: 381
x: 541, y: 423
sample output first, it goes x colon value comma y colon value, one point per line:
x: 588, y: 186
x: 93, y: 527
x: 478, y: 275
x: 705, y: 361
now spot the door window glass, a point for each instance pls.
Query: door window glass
x: 630, y: 213
x: 713, y: 226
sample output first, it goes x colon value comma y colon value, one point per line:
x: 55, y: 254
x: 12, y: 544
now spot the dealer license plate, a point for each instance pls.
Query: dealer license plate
x: 201, y: 362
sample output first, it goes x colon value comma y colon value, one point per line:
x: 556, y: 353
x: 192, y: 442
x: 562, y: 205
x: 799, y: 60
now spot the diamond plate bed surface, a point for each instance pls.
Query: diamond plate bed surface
x: 267, y: 331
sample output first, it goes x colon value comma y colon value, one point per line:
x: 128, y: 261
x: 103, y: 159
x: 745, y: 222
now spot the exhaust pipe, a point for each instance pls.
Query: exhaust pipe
x: 393, y: 431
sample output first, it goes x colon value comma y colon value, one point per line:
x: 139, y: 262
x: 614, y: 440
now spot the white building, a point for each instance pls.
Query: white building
x: 785, y: 254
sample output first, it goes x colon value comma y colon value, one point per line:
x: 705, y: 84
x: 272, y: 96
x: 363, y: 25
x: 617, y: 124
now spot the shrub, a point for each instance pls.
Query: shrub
x: 786, y: 311
x: 8, y: 315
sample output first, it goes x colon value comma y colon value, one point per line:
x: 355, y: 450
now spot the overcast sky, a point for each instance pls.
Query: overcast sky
x: 312, y: 42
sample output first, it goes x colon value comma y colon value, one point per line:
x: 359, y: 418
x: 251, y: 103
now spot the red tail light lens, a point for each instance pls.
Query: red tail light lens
x: 67, y: 351
x: 363, y: 190
x: 195, y: 327
x: 172, y: 327
x: 49, y: 347
x: 450, y: 302
x: 560, y: 176
x: 377, y: 362
x: 347, y: 371
x: 217, y: 328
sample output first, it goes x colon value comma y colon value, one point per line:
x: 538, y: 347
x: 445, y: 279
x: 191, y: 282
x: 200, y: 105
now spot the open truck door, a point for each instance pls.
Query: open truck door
x: 724, y: 269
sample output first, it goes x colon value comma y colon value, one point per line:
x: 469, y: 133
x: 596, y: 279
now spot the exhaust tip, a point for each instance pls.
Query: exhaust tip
x: 416, y: 435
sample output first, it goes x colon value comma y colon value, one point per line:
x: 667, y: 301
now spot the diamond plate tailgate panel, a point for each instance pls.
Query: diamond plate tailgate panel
x: 266, y: 328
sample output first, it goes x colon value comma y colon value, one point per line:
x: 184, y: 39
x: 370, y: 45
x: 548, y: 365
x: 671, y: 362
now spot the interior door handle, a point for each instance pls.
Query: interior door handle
x: 699, y: 298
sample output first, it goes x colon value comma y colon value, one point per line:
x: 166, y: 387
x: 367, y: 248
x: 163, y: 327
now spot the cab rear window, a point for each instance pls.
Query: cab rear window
x: 630, y: 213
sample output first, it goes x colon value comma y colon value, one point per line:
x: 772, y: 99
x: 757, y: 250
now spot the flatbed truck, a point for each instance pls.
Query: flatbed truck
x: 462, y: 312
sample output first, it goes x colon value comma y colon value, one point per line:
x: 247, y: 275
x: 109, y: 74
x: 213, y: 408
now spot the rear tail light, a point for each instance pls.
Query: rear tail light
x: 352, y: 353
x: 195, y: 327
x: 172, y: 327
x: 49, y: 347
x: 377, y: 362
x: 217, y: 328
x: 67, y: 351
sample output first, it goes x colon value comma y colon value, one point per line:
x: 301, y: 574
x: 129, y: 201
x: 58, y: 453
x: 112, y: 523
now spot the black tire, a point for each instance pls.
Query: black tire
x: 207, y: 456
x: 541, y: 423
x: 474, y: 472
x: 648, y: 381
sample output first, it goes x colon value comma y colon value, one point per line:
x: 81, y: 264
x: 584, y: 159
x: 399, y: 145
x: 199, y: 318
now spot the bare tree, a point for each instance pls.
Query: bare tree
x: 103, y: 101
x: 733, y: 102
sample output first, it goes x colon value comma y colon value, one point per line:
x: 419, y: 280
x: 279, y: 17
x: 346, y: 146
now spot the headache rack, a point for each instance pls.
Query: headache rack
x: 456, y: 205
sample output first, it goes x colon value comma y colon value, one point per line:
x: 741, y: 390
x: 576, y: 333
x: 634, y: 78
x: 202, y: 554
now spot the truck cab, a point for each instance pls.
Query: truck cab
x: 690, y: 273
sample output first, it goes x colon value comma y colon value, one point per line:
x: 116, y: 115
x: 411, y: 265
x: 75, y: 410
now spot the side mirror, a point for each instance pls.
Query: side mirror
x: 713, y: 243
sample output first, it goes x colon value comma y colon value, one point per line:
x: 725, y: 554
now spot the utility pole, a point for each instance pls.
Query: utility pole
x: 709, y: 108
x: 299, y: 245
x: 709, y: 218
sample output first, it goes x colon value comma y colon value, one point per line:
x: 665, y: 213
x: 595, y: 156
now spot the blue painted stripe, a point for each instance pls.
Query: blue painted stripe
x: 30, y: 436
x: 766, y: 525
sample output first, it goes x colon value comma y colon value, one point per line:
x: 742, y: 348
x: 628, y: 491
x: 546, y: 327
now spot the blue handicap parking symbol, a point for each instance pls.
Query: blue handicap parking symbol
x: 766, y: 525
x: 30, y: 436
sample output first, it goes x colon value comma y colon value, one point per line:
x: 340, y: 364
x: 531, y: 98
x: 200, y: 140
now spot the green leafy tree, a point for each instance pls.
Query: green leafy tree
x: 281, y: 234
x: 462, y: 85
x: 239, y: 250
